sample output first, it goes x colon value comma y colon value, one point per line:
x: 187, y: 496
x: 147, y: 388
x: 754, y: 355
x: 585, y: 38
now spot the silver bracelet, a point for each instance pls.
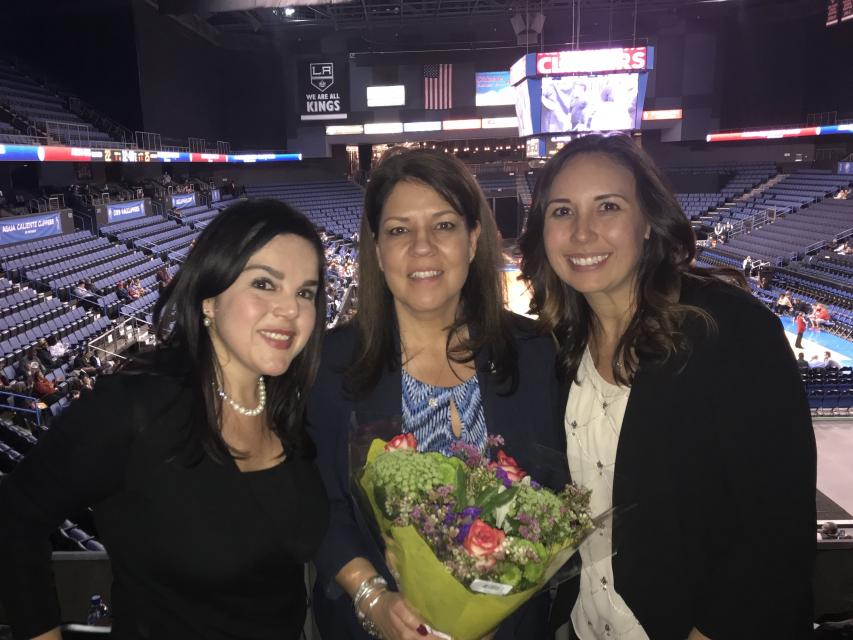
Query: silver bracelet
x: 367, y: 624
x: 364, y: 590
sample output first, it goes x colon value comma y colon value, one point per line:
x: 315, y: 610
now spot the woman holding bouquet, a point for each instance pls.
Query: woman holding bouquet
x: 650, y: 345
x: 432, y: 348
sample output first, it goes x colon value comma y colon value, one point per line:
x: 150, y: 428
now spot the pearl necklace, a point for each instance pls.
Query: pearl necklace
x: 262, y: 400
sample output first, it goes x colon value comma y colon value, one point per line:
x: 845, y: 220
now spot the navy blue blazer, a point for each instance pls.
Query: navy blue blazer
x: 530, y: 420
x: 714, y: 483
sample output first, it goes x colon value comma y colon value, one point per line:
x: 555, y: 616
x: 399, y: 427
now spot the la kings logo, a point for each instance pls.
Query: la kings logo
x: 322, y: 75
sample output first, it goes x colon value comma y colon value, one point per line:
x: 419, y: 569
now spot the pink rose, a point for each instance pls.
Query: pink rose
x: 509, y: 466
x: 402, y: 442
x: 482, y: 542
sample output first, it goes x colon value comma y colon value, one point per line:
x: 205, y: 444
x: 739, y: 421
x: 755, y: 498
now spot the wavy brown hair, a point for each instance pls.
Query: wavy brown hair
x: 656, y: 329
x: 481, y: 308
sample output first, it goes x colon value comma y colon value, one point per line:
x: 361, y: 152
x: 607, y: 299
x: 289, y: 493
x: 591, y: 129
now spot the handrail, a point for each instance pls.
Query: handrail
x: 103, y: 122
x: 815, y: 246
x: 844, y: 234
x: 755, y: 221
x: 32, y: 400
x: 121, y: 334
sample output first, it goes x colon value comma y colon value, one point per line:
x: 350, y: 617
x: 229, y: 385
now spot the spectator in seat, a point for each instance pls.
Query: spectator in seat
x: 819, y: 316
x: 57, y: 348
x: 828, y: 362
x: 44, y: 389
x: 784, y: 304
x: 30, y: 363
x: 802, y: 363
x: 208, y: 428
x: 800, y: 323
x: 43, y: 354
x: 86, y: 297
x: 163, y: 278
x: 135, y: 290
x: 609, y: 254
x: 122, y: 292
x: 87, y: 361
x: 86, y: 383
x: 747, y: 266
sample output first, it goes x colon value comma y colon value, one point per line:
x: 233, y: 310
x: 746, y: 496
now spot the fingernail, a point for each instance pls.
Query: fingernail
x: 422, y: 630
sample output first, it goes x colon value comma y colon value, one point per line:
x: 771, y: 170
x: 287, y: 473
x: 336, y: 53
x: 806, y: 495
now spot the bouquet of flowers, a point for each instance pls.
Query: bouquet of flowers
x: 470, y: 539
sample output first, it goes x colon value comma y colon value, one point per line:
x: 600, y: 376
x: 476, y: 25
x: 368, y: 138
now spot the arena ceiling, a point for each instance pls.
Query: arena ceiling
x: 282, y: 16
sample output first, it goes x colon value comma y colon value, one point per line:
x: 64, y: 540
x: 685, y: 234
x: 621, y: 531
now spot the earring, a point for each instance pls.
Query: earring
x: 206, y: 322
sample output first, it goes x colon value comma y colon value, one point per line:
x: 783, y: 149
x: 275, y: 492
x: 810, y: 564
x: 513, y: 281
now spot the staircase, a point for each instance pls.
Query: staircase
x: 764, y: 186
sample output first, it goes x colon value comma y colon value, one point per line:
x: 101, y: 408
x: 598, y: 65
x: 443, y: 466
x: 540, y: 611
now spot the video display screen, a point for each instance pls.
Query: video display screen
x: 493, y: 88
x: 590, y: 103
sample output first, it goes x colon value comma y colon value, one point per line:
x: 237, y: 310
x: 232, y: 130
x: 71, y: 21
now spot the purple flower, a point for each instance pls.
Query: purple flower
x: 503, y: 476
x: 449, y: 517
x: 535, y: 484
x: 468, y: 453
x: 471, y: 513
x: 494, y: 442
x: 463, y: 532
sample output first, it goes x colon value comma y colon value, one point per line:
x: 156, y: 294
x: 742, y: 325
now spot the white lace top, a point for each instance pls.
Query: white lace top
x: 593, y: 421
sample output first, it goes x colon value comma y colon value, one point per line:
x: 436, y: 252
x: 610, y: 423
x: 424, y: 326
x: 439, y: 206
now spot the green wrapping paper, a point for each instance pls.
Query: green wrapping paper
x: 430, y: 588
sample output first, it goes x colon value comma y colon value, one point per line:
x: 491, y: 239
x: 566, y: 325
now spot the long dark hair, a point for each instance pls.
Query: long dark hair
x: 655, y: 331
x: 481, y: 308
x: 219, y: 256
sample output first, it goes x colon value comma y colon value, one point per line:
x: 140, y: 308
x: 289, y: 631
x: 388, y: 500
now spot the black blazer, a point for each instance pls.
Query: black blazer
x: 715, y: 483
x: 530, y: 420
x: 198, y: 551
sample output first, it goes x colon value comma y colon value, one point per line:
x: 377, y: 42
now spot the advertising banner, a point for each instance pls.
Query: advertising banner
x: 215, y: 196
x: 493, y: 88
x: 183, y: 200
x: 125, y: 211
x: 20, y: 228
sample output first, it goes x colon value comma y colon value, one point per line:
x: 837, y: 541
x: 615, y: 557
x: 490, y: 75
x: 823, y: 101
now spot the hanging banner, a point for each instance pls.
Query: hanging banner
x: 183, y: 200
x: 125, y: 211
x: 323, y: 88
x: 20, y: 228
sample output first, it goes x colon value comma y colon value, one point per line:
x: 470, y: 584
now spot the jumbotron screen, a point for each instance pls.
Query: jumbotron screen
x: 590, y: 103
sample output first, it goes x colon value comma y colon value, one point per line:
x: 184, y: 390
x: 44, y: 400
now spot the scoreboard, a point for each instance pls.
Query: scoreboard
x: 125, y: 155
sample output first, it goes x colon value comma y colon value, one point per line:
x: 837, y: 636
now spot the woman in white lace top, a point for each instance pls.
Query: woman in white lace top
x: 665, y: 419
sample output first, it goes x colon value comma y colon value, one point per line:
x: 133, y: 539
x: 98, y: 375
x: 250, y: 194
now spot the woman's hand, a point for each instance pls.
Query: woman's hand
x: 396, y: 620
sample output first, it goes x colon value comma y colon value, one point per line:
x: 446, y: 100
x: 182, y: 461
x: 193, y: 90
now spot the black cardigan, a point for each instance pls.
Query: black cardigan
x: 715, y: 483
x: 197, y: 552
x: 530, y: 420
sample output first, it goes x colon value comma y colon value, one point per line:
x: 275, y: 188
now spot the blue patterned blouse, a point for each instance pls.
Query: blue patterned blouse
x: 426, y: 414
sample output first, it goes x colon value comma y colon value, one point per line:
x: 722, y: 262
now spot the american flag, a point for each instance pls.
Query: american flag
x: 438, y: 86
